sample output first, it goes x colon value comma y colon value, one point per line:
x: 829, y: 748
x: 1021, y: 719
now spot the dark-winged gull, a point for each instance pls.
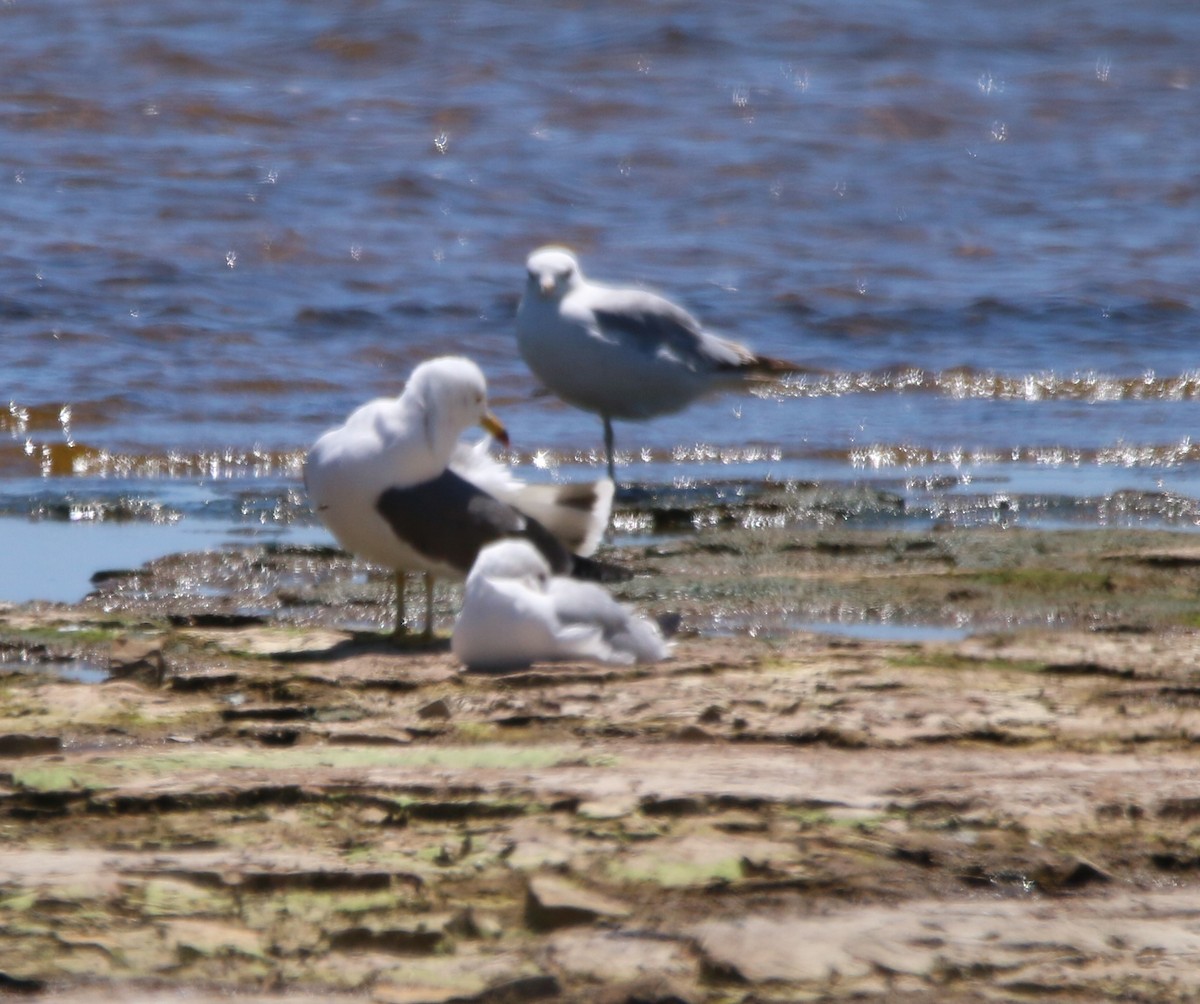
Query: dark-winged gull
x: 516, y: 612
x: 623, y: 352
x: 394, y: 486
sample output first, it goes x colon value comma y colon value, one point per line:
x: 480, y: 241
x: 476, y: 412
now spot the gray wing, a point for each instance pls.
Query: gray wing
x: 449, y: 520
x: 651, y: 324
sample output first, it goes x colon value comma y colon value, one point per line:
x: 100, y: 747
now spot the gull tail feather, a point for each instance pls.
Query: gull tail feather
x: 742, y: 362
x: 769, y: 366
x: 753, y: 367
x: 576, y: 514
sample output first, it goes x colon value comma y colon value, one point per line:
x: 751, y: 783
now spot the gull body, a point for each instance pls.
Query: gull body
x: 623, y: 353
x: 394, y: 485
x: 516, y: 612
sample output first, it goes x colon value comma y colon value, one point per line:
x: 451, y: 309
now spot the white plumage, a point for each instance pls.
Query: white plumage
x: 516, y: 612
x: 395, y: 486
x: 623, y: 352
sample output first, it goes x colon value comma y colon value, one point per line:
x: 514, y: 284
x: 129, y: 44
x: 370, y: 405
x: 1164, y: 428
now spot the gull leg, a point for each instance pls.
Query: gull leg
x: 428, y: 635
x: 399, y: 630
x: 608, y: 445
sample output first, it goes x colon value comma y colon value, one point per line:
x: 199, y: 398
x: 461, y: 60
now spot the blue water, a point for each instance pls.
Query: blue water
x: 228, y: 224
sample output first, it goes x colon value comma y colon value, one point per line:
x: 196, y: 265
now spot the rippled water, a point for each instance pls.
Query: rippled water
x: 227, y: 224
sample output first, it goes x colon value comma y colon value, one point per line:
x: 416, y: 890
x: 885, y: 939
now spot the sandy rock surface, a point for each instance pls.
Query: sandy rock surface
x: 246, y: 795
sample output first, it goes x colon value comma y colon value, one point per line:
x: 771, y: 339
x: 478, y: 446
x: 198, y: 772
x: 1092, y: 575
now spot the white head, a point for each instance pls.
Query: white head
x: 450, y: 393
x: 553, y: 271
x: 512, y: 559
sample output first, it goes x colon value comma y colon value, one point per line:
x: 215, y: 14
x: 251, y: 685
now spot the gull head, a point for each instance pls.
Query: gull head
x: 553, y: 271
x: 452, y: 393
x: 512, y: 559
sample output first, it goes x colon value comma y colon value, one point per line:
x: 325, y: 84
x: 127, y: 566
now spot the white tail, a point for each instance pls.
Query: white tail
x: 576, y: 514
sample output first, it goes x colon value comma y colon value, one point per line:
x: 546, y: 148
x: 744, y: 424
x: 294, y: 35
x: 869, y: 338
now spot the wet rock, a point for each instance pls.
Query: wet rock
x: 756, y: 950
x: 651, y: 990
x: 216, y: 620
x: 614, y: 957
x: 1071, y: 874
x: 553, y: 902
x: 466, y: 977
x: 938, y: 940
x: 202, y: 938
x: 18, y: 985
x: 266, y: 713
x: 653, y: 805
x: 523, y: 988
x: 898, y: 811
x: 1172, y: 861
x: 256, y: 639
x: 617, y: 807
x: 420, y: 937
x: 472, y: 923
x: 1182, y: 807
x: 15, y: 744
x: 112, y: 575
x: 741, y: 822
x: 271, y: 736
x: 353, y: 734
x: 696, y: 855
x: 139, y: 659
x: 214, y: 678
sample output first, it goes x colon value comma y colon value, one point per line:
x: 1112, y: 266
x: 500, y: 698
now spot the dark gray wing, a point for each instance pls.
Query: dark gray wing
x: 649, y: 324
x: 448, y: 519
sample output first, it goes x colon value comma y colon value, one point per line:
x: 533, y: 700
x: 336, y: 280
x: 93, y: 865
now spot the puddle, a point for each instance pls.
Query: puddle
x: 70, y: 670
x: 884, y: 631
x: 55, y: 560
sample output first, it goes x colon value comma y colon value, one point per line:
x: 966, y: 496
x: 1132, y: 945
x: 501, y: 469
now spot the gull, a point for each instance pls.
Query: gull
x: 394, y: 485
x: 623, y: 352
x: 516, y: 612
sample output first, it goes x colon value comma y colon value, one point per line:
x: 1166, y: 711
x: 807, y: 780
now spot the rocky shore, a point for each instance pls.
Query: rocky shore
x: 952, y: 764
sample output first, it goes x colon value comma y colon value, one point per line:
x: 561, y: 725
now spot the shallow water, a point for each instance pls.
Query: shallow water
x: 884, y: 631
x: 56, y: 560
x: 228, y: 225
x: 73, y: 670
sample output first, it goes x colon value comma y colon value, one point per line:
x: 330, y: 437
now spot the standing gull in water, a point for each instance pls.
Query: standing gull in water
x: 623, y: 352
x: 515, y: 612
x: 394, y: 485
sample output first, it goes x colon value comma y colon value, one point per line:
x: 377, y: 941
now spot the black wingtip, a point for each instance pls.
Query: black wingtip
x: 591, y: 570
x: 771, y: 366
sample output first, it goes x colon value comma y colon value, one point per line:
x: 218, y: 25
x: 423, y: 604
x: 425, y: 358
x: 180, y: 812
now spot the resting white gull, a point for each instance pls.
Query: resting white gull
x: 394, y: 486
x: 623, y: 352
x: 516, y: 612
